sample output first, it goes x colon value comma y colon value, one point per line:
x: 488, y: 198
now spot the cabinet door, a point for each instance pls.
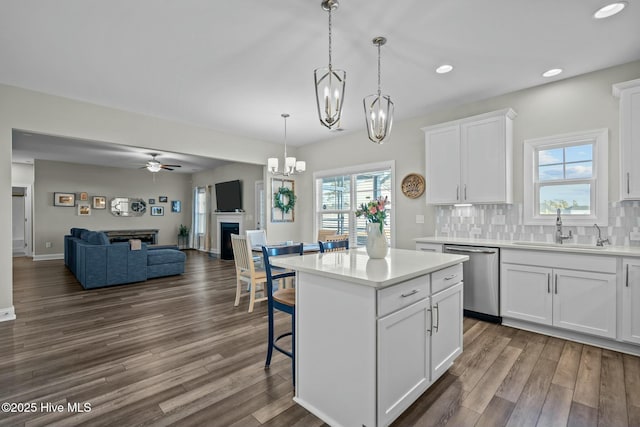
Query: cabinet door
x: 585, y: 302
x: 525, y: 293
x: 484, y: 156
x: 446, y: 329
x: 403, y: 359
x: 631, y: 301
x: 630, y: 143
x: 443, y: 164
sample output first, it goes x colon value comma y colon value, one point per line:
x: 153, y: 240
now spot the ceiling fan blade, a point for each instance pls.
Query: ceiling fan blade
x: 166, y: 168
x: 173, y: 166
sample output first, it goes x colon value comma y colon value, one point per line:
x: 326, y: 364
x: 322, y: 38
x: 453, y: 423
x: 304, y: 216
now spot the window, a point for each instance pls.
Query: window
x: 339, y: 193
x: 566, y: 172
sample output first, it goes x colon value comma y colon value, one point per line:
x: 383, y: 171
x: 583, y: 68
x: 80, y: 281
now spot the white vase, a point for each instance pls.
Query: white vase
x: 377, y: 246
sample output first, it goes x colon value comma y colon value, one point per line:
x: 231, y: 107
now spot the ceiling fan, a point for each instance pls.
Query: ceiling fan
x: 154, y: 165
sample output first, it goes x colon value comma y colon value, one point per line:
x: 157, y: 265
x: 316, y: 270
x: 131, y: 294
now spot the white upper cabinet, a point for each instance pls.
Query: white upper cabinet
x: 469, y: 160
x: 629, y: 94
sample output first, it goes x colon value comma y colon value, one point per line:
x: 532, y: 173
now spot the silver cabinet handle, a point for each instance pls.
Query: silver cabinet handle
x: 458, y: 192
x: 627, y: 279
x: 413, y: 292
x: 430, y: 330
x: 437, y: 310
x: 556, y: 284
x: 465, y: 191
x: 628, y: 188
x: 548, y: 283
x: 453, y: 276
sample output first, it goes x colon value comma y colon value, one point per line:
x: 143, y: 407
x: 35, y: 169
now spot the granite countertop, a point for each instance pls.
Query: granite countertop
x: 356, y: 267
x: 633, y: 251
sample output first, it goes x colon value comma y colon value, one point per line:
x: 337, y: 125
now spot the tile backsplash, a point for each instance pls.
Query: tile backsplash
x: 505, y: 222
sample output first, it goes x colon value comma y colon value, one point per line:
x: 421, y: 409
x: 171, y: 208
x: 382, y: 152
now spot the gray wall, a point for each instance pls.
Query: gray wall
x: 245, y: 172
x: 581, y: 103
x: 51, y: 223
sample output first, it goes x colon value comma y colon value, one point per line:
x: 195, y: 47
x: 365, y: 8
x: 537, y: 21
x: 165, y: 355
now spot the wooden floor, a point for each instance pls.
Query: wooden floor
x: 174, y: 351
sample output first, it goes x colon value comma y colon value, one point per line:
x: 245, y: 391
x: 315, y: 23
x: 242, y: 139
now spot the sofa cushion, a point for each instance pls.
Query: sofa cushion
x: 75, y: 232
x: 84, y: 234
x: 164, y: 256
x: 97, y: 238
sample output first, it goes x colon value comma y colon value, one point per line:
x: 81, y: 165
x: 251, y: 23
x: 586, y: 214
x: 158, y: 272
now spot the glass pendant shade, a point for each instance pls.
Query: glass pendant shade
x: 272, y: 164
x: 330, y: 84
x: 378, y: 111
x: 378, y: 108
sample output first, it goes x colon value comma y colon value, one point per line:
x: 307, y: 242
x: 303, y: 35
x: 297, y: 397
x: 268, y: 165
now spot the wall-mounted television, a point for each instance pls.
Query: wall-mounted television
x: 229, y: 196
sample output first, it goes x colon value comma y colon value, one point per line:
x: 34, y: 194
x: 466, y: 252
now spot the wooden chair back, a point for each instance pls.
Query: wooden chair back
x: 334, y: 246
x: 257, y: 237
x: 324, y: 233
x: 242, y: 255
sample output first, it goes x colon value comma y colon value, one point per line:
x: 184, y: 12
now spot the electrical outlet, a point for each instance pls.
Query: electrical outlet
x: 419, y: 219
x: 634, y: 235
x: 47, y: 244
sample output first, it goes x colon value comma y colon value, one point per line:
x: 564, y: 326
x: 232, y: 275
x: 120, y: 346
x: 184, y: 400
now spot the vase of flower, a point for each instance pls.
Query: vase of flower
x: 375, y: 214
x: 377, y: 246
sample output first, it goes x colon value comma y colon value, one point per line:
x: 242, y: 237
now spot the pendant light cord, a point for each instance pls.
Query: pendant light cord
x: 379, y: 91
x: 329, y: 38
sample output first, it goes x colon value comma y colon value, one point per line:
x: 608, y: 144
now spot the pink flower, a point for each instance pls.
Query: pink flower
x: 373, y: 210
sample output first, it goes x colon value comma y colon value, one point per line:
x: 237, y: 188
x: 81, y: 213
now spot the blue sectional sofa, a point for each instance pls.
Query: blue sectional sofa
x: 98, y: 263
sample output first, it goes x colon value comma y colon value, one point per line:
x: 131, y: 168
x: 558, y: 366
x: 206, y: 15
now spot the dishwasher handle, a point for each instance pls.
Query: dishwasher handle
x: 470, y: 250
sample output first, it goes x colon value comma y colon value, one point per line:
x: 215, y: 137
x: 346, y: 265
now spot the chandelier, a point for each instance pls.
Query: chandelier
x: 291, y: 165
x: 378, y: 108
x: 329, y: 83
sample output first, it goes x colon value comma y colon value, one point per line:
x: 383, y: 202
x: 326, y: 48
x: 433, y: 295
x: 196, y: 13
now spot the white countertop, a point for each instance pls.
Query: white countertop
x: 355, y: 266
x: 633, y: 251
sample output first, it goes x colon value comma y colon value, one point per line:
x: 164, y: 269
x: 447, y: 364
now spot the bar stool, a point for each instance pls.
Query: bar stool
x: 282, y: 299
x: 333, y: 246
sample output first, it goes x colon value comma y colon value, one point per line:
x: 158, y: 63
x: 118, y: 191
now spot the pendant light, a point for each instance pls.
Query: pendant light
x: 378, y: 108
x: 329, y: 83
x: 291, y: 165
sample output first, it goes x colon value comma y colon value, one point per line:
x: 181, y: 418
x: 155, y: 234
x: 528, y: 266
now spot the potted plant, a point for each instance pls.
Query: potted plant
x: 183, y: 235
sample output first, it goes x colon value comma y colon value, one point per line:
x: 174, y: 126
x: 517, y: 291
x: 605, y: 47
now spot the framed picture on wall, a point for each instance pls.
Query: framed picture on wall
x: 176, y: 206
x: 283, y: 200
x: 83, y: 197
x: 157, y: 210
x: 152, y: 201
x: 99, y: 202
x: 84, y: 209
x: 163, y: 199
x: 64, y: 199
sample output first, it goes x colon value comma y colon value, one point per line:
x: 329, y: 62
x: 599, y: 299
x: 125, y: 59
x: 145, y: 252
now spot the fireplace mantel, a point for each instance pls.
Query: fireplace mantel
x: 234, y: 217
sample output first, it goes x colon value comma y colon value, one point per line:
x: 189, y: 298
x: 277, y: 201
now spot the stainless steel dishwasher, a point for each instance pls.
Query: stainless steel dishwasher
x: 481, y: 281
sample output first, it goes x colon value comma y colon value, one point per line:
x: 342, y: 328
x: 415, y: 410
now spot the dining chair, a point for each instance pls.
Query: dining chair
x: 323, y: 233
x: 247, y: 272
x: 256, y: 238
x: 334, y: 245
x: 281, y: 299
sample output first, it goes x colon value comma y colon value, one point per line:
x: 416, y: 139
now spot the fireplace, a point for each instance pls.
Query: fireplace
x: 226, y: 230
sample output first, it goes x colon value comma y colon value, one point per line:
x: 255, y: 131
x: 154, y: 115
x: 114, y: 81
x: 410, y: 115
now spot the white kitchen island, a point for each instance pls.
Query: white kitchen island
x: 373, y: 334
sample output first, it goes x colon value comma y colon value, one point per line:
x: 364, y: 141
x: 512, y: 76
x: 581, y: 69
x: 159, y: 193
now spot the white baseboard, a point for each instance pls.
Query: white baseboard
x: 7, y: 314
x: 47, y: 257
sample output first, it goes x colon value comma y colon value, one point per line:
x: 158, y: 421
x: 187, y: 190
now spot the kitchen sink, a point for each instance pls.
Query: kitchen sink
x: 558, y: 245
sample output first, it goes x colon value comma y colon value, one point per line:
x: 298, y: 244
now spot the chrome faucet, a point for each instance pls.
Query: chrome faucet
x: 600, y: 241
x: 559, y: 236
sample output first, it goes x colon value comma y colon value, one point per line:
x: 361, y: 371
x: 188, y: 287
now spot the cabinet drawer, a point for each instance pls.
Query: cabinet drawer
x: 403, y: 294
x: 429, y: 247
x: 446, y: 277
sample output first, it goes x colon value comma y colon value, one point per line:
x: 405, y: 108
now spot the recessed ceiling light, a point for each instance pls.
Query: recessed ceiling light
x: 610, y: 10
x: 443, y: 69
x: 552, y: 72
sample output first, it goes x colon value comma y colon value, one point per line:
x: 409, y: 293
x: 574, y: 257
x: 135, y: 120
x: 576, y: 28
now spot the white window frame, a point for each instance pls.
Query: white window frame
x: 600, y: 170
x: 355, y: 170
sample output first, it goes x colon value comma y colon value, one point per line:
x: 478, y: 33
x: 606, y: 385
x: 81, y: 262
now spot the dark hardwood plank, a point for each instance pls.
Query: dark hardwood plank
x: 175, y: 351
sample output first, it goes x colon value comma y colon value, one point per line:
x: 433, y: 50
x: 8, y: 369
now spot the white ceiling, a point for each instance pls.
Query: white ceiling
x: 235, y: 66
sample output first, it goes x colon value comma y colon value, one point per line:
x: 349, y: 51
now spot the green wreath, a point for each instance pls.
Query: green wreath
x: 279, y: 195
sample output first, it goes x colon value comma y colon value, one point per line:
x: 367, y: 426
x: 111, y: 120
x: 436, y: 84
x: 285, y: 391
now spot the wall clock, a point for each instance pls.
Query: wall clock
x: 413, y: 185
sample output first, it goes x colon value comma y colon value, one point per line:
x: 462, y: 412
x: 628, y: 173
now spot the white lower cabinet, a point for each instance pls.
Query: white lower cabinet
x: 416, y: 345
x: 581, y: 298
x: 446, y: 329
x: 631, y: 300
x: 403, y: 359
